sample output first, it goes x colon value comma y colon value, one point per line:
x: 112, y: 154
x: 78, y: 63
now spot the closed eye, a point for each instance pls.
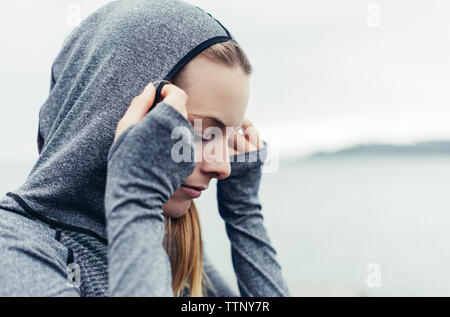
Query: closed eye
x: 199, y: 138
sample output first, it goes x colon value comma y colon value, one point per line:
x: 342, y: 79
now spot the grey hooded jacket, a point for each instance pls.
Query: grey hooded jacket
x: 84, y: 182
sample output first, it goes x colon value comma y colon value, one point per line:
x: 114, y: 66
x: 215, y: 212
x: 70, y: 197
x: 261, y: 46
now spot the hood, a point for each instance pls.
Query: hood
x: 105, y: 62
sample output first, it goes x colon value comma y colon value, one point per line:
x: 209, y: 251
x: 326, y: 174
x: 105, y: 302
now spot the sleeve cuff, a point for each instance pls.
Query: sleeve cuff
x: 169, y: 116
x: 248, y: 160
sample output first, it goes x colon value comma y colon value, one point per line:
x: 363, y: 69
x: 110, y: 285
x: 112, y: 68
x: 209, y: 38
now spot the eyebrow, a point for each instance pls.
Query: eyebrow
x: 215, y: 120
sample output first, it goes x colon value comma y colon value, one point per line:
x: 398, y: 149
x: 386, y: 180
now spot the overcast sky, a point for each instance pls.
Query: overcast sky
x: 328, y: 73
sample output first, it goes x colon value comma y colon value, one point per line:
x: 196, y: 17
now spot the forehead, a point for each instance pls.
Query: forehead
x: 216, y: 90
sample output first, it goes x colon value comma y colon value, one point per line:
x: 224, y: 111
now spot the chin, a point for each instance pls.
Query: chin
x: 176, y: 209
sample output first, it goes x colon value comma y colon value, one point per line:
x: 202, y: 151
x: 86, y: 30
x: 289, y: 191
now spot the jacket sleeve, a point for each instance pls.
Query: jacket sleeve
x: 254, y: 258
x: 216, y: 284
x: 141, y: 176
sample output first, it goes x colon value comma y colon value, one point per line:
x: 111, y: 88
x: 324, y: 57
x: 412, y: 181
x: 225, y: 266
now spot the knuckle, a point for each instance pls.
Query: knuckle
x: 181, y: 91
x: 136, y: 99
x: 182, y: 94
x: 123, y: 123
x: 177, y: 90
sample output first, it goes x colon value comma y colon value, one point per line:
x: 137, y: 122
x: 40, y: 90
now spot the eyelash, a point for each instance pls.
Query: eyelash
x: 202, y: 138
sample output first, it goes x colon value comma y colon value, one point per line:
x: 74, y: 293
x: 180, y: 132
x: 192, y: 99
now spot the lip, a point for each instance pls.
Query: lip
x: 193, y: 192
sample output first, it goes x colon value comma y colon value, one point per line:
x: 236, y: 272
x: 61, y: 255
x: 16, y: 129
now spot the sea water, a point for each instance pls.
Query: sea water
x: 367, y: 226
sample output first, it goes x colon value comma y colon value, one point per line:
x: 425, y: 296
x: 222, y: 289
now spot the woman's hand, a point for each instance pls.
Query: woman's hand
x: 254, y: 257
x: 247, y: 142
x: 140, y: 105
x: 141, y: 176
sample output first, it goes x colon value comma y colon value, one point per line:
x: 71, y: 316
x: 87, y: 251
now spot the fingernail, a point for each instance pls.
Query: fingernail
x: 149, y: 86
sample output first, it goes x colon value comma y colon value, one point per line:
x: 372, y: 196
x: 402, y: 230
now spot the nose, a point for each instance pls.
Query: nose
x: 218, y: 165
x: 219, y: 170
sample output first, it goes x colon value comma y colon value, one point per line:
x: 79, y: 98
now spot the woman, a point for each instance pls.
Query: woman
x: 107, y: 205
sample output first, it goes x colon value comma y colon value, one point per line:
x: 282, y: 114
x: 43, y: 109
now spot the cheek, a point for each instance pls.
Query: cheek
x: 198, y: 152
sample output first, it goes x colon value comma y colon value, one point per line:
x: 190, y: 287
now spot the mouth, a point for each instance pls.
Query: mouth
x: 192, y: 191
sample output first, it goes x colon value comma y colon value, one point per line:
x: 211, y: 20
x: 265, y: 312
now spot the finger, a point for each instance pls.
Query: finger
x: 232, y: 151
x: 170, y: 90
x: 241, y: 144
x: 167, y: 89
x: 175, y: 97
x: 251, y: 133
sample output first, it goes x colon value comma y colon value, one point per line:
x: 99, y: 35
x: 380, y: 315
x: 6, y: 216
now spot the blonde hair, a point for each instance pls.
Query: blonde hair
x: 229, y: 53
x: 183, y: 239
x: 183, y: 243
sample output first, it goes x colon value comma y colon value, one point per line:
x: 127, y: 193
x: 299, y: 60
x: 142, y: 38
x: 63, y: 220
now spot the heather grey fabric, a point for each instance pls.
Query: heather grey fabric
x: 32, y: 261
x: 103, y: 64
x: 40, y: 260
x: 254, y: 258
x: 143, y: 174
x: 99, y: 203
x: 37, y: 258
